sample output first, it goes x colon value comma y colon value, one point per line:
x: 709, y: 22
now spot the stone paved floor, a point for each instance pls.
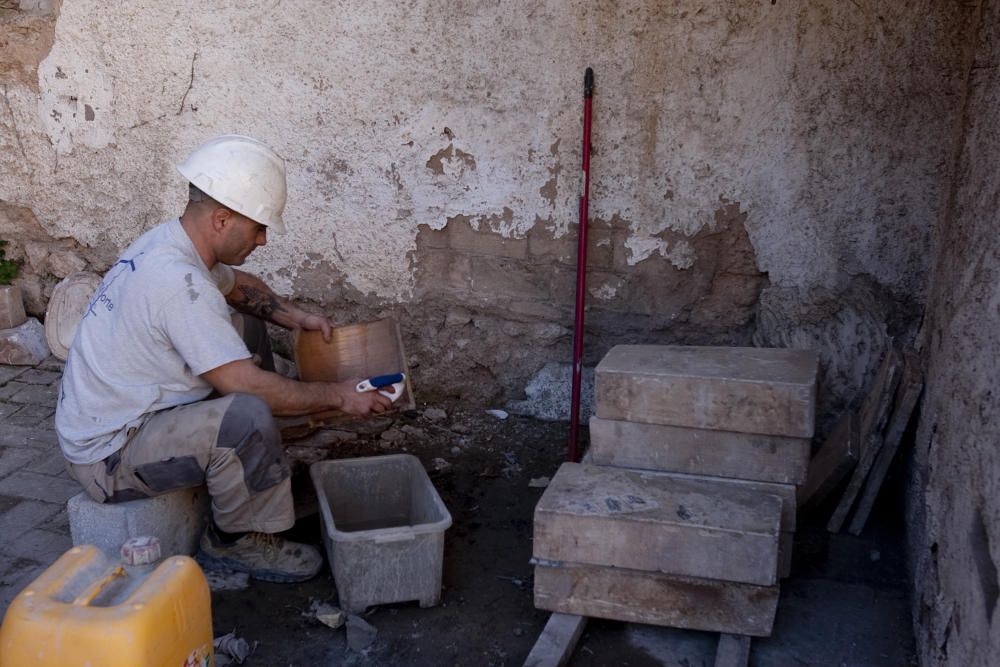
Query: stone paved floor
x: 34, y: 484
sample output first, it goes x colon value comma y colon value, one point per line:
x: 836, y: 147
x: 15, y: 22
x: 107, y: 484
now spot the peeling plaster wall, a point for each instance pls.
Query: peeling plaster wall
x: 741, y: 150
x: 954, y: 492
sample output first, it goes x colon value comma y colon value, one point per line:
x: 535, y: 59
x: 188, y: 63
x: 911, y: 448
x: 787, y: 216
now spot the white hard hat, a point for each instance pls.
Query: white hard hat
x: 242, y: 174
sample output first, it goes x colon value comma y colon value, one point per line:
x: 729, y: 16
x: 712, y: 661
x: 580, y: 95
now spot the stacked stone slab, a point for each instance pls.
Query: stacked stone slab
x: 683, y: 511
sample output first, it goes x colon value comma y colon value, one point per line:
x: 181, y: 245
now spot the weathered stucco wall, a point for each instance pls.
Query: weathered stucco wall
x: 954, y: 494
x: 749, y: 156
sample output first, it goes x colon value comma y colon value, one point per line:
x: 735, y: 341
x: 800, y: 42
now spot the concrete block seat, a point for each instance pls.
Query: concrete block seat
x: 176, y: 518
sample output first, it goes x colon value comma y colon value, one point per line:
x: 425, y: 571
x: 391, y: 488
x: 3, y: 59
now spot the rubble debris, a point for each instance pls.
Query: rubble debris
x: 360, y: 633
x: 24, y: 345
x: 539, y: 482
x: 435, y: 414
x: 499, y: 414
x: 230, y: 649
x: 327, y: 614
x: 512, y: 467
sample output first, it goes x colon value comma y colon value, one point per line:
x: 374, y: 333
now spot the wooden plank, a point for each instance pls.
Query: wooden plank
x: 556, y: 643
x: 786, y: 544
x: 677, y: 524
x: 907, y: 396
x: 658, y: 599
x: 874, y: 412
x: 354, y: 351
x: 743, y: 389
x: 733, y: 651
x: 836, y: 457
x: 766, y: 458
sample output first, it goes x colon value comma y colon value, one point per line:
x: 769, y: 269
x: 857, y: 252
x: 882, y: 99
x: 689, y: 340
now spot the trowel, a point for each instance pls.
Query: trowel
x: 379, y: 383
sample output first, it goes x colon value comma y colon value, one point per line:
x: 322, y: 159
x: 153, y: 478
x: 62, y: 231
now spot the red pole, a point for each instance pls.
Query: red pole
x: 581, y: 271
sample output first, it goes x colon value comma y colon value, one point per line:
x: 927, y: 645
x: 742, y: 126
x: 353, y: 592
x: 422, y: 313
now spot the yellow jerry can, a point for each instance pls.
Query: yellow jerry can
x: 87, y: 610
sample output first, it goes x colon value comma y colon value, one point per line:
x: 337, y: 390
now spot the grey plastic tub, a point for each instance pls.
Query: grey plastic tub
x: 383, y: 529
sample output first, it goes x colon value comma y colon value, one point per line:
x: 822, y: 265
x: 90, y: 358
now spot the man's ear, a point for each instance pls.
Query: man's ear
x: 221, y: 217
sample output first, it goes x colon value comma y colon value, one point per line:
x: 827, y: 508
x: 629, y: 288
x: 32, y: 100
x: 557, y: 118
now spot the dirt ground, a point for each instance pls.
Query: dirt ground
x: 845, y: 603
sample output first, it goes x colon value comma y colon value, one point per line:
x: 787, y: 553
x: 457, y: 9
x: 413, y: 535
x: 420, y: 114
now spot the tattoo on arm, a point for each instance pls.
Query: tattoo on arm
x: 259, y: 302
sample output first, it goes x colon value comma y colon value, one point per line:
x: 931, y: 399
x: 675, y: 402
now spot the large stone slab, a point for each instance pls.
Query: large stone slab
x: 658, y: 599
x: 24, y: 345
x: 747, y: 390
x: 176, y: 518
x: 767, y: 458
x: 690, y: 526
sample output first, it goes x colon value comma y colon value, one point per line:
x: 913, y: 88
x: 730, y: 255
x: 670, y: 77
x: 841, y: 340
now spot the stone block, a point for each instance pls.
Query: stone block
x: 501, y: 276
x: 690, y: 526
x: 11, y: 307
x: 484, y: 241
x: 24, y: 345
x: 767, y: 458
x: 654, y: 598
x: 176, y: 518
x: 443, y: 271
x: 747, y: 390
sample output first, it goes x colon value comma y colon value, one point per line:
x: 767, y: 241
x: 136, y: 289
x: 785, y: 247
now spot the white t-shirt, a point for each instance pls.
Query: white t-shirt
x: 157, y: 321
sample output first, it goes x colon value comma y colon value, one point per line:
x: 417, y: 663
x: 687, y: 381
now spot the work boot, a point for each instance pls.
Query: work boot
x: 263, y: 556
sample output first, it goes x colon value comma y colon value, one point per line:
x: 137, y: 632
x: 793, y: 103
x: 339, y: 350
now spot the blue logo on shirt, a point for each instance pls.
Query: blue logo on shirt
x: 101, y: 296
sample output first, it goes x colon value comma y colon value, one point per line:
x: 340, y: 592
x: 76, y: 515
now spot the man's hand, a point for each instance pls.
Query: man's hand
x: 313, y: 322
x: 360, y: 403
x: 291, y: 397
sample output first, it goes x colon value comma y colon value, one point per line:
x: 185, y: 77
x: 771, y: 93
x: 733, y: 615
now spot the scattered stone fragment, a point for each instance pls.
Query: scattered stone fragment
x: 539, y: 482
x: 392, y: 436
x: 64, y: 262
x: 232, y: 649
x: 435, y: 414
x: 499, y: 414
x: 512, y: 467
x: 327, y: 614
x: 440, y: 465
x: 24, y: 345
x: 285, y: 367
x: 455, y: 451
x: 414, y: 431
x: 457, y: 317
x: 360, y: 634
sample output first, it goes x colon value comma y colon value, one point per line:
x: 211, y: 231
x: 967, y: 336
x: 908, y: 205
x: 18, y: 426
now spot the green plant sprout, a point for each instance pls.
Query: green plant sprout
x: 8, y: 267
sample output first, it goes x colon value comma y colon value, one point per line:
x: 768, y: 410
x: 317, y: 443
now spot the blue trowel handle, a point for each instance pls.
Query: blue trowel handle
x: 380, y: 381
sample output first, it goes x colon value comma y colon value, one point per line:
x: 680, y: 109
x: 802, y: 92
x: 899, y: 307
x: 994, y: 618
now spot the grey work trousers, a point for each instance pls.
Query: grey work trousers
x: 230, y: 444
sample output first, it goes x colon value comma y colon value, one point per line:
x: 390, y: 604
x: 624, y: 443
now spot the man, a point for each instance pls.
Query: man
x: 161, y: 392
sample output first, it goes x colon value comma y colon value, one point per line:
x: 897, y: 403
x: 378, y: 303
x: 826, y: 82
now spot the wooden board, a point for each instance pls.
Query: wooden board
x: 835, y: 459
x: 357, y: 351
x: 733, y: 651
x: 786, y: 544
x: 743, y: 389
x: 658, y: 599
x: 767, y: 458
x: 556, y: 643
x: 907, y: 396
x: 706, y: 527
x: 874, y: 413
